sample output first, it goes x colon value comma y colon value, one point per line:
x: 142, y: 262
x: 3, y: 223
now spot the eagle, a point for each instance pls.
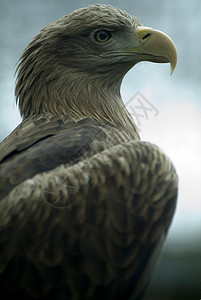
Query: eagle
x: 85, y: 205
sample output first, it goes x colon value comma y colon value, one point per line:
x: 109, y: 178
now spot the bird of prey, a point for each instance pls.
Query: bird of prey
x: 85, y: 205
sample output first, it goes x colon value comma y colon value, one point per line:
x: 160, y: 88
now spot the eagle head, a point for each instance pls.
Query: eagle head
x: 75, y: 65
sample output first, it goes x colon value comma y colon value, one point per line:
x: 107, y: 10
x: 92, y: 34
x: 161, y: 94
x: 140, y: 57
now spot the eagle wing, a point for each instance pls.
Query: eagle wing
x: 84, y: 211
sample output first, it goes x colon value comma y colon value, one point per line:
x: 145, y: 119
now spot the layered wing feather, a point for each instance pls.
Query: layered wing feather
x: 83, y: 211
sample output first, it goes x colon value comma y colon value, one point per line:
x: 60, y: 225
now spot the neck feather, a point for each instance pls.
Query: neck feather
x: 78, y: 95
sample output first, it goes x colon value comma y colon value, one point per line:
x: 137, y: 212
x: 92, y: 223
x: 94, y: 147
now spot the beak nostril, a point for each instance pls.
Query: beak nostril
x: 146, y: 36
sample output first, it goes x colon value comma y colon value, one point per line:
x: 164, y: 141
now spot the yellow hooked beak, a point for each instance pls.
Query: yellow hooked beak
x: 156, y: 45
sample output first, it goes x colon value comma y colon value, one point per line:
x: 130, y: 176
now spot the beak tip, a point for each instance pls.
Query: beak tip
x: 172, y: 67
x: 171, y: 70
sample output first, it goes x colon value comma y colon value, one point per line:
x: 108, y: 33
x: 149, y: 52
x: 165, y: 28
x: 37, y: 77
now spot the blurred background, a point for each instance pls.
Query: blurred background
x: 173, y: 123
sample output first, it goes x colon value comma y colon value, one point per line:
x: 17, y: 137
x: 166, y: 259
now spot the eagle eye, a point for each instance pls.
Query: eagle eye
x: 102, y: 36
